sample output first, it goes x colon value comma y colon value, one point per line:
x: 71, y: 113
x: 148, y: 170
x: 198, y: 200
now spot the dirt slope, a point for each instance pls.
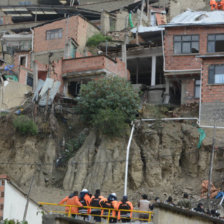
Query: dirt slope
x: 164, y: 160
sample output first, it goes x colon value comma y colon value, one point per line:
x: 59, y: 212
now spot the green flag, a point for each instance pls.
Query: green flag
x: 201, y: 137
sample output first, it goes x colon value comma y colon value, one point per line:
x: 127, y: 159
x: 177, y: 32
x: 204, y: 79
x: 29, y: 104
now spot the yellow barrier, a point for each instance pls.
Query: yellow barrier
x: 107, y: 217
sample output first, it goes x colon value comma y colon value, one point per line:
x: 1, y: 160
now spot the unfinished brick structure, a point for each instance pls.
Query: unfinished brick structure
x: 62, y: 44
x: 193, y: 55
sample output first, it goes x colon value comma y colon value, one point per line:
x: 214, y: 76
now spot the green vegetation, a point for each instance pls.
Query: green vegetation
x: 25, y: 126
x: 14, y: 222
x: 73, y: 145
x: 96, y: 39
x: 108, y: 104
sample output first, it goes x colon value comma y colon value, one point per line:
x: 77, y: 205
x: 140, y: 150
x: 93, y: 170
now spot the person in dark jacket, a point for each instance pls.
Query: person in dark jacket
x: 84, y: 198
x: 124, y: 204
x: 95, y: 202
x: 200, y: 208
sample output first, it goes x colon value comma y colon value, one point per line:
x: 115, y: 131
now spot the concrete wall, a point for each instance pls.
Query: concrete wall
x: 188, y: 91
x: 163, y: 216
x: 14, y: 205
x: 12, y: 98
x: 57, y: 219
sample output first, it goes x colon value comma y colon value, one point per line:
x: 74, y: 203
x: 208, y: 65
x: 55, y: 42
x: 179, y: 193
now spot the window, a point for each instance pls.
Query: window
x: 2, y: 194
x: 215, y: 43
x: 216, y: 74
x: 54, y: 34
x: 1, y: 206
x: 1, y: 20
x: 197, y: 87
x: 22, y: 60
x: 186, y: 44
x: 2, y: 182
x: 29, y: 80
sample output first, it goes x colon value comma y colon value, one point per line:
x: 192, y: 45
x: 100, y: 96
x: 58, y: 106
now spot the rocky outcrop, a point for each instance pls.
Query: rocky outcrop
x: 164, y: 160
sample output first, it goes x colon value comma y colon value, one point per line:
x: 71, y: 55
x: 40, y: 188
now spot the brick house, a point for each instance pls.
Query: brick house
x: 13, y: 201
x: 62, y: 43
x: 194, y: 56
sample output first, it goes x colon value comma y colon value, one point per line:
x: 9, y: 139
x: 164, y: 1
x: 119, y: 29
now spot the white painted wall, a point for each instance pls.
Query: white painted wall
x: 14, y: 206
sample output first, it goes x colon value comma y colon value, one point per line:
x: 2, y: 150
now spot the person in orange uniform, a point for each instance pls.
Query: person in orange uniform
x: 84, y: 198
x: 213, y: 4
x: 95, y: 202
x: 125, y: 216
x: 72, y: 199
x: 110, y: 202
x: 221, y: 5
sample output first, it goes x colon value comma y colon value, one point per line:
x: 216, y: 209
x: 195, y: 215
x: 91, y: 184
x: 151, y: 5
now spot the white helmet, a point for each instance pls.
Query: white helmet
x: 84, y: 190
x: 114, y: 194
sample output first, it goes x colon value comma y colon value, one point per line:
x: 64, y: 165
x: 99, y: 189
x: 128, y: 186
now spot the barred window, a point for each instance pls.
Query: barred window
x: 186, y: 44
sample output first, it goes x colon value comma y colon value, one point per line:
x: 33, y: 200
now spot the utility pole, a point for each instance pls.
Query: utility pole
x: 127, y: 159
x: 211, y: 163
x: 28, y: 197
x: 142, y: 8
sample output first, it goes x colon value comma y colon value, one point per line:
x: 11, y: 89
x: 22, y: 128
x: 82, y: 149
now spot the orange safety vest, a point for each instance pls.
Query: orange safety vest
x: 221, y: 5
x: 71, y: 201
x: 105, y: 204
x: 86, y: 200
x: 120, y: 212
x: 213, y: 4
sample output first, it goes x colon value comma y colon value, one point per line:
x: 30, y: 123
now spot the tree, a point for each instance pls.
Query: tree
x: 108, y: 103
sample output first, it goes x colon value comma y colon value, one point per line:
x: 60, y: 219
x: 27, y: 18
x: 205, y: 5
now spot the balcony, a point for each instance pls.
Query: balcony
x: 92, y: 67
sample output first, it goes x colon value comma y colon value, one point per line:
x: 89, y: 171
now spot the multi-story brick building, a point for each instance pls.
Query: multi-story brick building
x: 194, y: 56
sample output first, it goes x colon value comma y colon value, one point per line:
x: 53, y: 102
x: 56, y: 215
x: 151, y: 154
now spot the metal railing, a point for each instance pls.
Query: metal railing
x: 107, y: 217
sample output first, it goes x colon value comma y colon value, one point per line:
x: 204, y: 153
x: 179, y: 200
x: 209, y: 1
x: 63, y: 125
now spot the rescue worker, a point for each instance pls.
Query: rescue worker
x: 169, y: 201
x: 95, y: 202
x: 84, y: 198
x: 185, y: 203
x: 124, y: 216
x: 144, y: 205
x: 110, y: 202
x: 221, y: 5
x: 72, y: 199
x: 213, y: 4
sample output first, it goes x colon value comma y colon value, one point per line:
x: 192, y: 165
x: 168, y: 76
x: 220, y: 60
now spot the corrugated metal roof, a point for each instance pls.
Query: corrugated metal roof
x: 190, y: 17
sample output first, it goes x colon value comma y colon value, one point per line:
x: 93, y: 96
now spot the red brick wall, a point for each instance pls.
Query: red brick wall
x: 188, y: 91
x: 95, y: 63
x: 83, y: 64
x: 22, y: 73
x: 117, y: 68
x: 215, y: 92
x: 70, y: 29
x: 182, y: 62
